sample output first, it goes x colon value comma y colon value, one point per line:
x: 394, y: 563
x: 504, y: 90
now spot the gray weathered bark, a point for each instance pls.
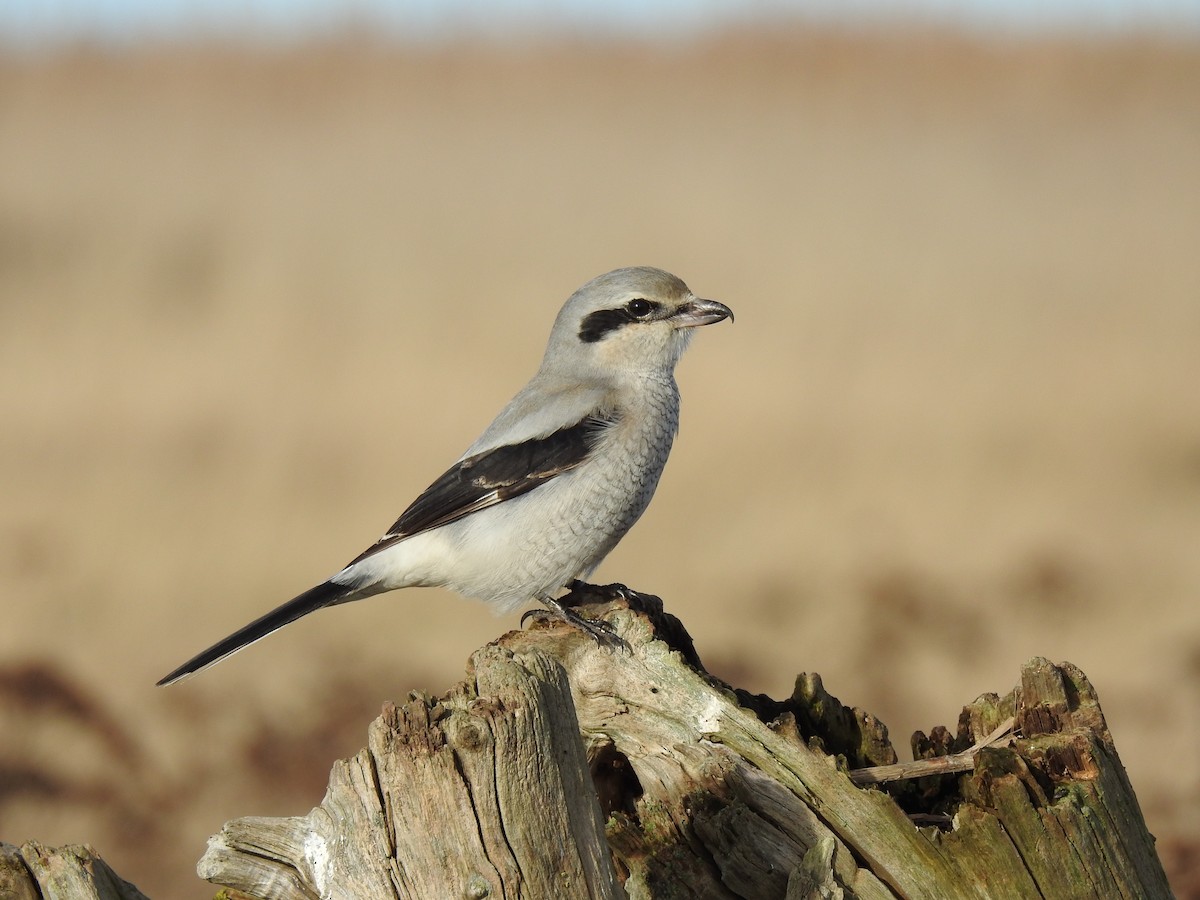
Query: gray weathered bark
x: 684, y: 787
x: 35, y: 872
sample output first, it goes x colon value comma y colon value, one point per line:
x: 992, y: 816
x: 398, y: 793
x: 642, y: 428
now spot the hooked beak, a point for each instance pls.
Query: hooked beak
x: 700, y: 312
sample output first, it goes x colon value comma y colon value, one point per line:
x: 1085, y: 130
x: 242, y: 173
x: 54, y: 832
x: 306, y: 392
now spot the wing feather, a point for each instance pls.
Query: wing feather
x: 493, y: 476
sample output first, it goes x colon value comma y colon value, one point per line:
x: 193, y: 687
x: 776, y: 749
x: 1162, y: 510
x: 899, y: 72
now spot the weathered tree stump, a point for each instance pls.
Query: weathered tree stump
x: 36, y: 872
x: 562, y: 769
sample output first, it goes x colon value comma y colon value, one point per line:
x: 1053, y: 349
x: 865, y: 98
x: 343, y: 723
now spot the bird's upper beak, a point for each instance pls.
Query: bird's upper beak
x: 700, y: 312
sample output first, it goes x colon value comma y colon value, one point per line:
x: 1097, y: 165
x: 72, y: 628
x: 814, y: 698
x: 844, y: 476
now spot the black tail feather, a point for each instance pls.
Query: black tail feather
x: 311, y: 600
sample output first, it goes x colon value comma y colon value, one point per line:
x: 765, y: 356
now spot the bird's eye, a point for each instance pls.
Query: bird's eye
x: 639, y: 308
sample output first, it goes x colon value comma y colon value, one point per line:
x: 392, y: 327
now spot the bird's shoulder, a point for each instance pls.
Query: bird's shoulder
x: 543, y: 409
x: 538, y: 437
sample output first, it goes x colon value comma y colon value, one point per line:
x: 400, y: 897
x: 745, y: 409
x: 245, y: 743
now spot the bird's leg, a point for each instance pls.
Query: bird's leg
x: 601, y: 632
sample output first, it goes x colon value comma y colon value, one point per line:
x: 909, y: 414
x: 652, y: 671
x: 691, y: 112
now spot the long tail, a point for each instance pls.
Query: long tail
x: 326, y: 594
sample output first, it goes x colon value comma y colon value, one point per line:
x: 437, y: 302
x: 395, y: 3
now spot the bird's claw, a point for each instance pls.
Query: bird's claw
x: 580, y: 592
x: 603, y: 592
x: 597, y: 629
x: 537, y: 612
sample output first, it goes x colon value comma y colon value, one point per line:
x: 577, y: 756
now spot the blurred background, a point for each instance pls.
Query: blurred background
x: 267, y: 267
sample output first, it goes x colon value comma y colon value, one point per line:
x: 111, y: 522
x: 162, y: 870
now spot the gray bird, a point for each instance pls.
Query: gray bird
x: 555, y: 481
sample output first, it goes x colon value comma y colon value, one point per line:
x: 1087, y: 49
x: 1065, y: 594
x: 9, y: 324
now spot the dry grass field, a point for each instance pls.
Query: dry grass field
x: 251, y: 302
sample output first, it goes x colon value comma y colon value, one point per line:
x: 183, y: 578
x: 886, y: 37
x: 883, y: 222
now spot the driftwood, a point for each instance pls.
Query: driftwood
x: 684, y: 787
x: 35, y: 872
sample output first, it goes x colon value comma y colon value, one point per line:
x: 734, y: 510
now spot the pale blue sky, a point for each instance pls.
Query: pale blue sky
x: 25, y: 22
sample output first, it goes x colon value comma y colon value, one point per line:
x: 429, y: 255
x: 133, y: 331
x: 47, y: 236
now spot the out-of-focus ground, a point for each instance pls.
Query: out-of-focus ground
x: 252, y: 302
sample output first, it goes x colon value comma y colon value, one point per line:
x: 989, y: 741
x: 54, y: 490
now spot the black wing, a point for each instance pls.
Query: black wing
x: 494, y: 476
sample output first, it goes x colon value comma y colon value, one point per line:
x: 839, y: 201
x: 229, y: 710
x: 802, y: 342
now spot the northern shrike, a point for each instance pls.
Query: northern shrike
x: 555, y: 481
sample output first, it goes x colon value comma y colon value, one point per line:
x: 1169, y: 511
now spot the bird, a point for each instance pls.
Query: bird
x: 553, y: 483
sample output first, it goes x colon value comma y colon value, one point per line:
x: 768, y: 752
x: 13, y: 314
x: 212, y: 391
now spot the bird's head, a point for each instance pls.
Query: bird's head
x: 629, y: 321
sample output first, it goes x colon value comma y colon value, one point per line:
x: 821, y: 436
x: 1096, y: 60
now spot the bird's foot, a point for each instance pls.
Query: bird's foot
x: 581, y: 592
x: 598, y: 630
